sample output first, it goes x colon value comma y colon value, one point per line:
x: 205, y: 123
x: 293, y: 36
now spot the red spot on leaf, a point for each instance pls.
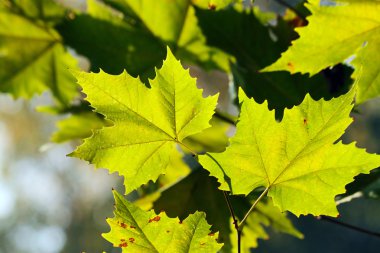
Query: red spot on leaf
x: 157, y: 218
x: 305, y: 121
x: 291, y: 66
x: 123, y: 225
x: 167, y: 231
x: 132, y: 240
x: 211, y: 6
x: 133, y: 227
x: 211, y: 234
x: 122, y: 240
x: 180, y: 222
x: 123, y: 245
x: 297, y: 22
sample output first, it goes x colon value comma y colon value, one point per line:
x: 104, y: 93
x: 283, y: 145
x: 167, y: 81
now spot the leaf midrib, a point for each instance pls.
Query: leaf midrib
x: 138, y: 225
x: 131, y: 110
x: 305, y: 146
x: 192, y: 234
x: 36, y: 57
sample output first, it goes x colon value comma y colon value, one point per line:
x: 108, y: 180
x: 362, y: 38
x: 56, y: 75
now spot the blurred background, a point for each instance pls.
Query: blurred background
x: 52, y: 203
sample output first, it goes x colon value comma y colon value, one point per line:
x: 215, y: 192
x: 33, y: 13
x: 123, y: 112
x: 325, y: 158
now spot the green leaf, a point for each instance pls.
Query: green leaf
x: 199, y: 192
x: 213, y: 139
x: 176, y: 25
x: 148, y: 123
x: 364, y: 186
x: 41, y: 65
x: 295, y: 159
x: 241, y: 34
x: 78, y: 126
x: 344, y: 29
x: 45, y: 12
x: 135, y: 230
x: 112, y: 44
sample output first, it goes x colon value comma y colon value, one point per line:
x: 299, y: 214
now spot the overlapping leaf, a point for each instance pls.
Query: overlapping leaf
x: 41, y: 65
x: 241, y: 34
x: 134, y: 38
x: 135, y: 230
x: 112, y: 44
x: 148, y: 123
x: 199, y: 191
x: 46, y: 12
x: 175, y: 23
x: 296, y: 159
x: 78, y: 126
x: 334, y: 33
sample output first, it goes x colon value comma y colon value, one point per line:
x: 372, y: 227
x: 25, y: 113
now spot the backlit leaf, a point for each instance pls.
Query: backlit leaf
x: 335, y: 33
x: 176, y: 24
x: 199, y: 191
x: 295, y: 159
x: 41, y: 65
x: 148, y: 122
x: 135, y: 230
x: 255, y: 45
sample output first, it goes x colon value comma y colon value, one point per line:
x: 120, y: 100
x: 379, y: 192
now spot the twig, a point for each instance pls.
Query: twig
x: 233, y: 218
x: 230, y: 208
x: 349, y: 226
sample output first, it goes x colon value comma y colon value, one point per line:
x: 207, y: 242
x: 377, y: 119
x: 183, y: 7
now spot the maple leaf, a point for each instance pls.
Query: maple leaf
x: 334, y: 33
x: 177, y: 26
x: 148, y: 122
x: 250, y: 41
x: 43, y: 64
x: 135, y: 230
x: 199, y: 192
x: 296, y: 159
x: 136, y: 39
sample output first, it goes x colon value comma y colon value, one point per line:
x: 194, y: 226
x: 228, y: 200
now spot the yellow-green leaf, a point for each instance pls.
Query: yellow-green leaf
x: 135, y: 230
x: 334, y: 33
x: 148, y: 122
x: 295, y: 159
x: 176, y: 24
x: 41, y: 65
x: 199, y: 192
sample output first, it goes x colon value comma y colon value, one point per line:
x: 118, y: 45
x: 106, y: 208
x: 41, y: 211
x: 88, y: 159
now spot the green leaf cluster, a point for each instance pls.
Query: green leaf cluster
x: 350, y: 28
x: 140, y: 113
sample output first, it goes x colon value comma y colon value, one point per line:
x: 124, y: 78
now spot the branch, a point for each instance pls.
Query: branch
x: 232, y: 212
x: 349, y: 226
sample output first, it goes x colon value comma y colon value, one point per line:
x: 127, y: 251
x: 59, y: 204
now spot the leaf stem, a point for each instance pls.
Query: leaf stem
x: 188, y: 148
x: 241, y: 224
